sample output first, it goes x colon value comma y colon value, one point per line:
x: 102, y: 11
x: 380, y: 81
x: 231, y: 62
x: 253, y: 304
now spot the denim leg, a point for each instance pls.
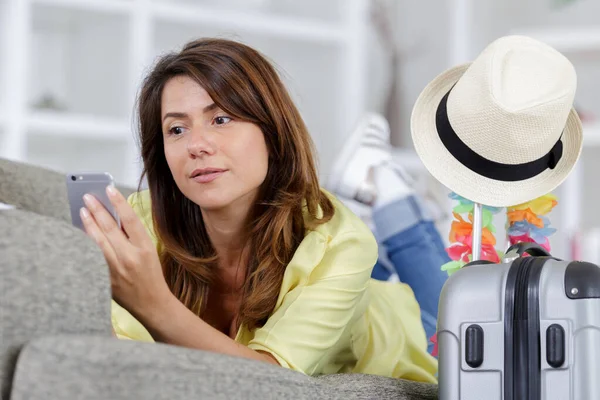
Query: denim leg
x: 416, y: 250
x: 380, y: 272
x: 383, y: 269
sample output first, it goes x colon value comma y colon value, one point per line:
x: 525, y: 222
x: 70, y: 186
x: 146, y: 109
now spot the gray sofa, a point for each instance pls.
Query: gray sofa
x: 55, y: 333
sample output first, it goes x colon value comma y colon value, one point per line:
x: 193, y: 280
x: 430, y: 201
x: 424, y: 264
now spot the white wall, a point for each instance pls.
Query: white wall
x: 558, y: 13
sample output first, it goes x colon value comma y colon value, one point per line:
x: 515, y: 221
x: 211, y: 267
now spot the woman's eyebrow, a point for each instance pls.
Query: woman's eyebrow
x: 206, y: 109
x: 209, y: 108
x: 175, y: 115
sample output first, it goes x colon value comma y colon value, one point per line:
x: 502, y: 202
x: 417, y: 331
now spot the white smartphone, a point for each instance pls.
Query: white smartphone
x: 95, y: 184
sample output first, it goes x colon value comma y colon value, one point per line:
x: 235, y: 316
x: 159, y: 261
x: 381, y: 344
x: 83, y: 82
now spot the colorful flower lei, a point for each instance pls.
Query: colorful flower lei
x: 526, y: 222
x: 461, y: 238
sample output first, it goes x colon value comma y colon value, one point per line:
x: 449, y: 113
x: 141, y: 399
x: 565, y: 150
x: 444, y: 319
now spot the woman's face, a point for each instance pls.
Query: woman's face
x: 216, y: 161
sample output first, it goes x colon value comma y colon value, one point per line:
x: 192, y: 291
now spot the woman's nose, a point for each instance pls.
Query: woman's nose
x: 199, y: 143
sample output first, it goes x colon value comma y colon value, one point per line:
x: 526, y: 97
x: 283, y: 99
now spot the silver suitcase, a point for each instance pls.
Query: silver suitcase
x: 526, y: 329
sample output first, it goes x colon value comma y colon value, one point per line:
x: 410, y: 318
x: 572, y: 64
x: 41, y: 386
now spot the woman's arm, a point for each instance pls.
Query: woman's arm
x: 322, y: 304
x: 172, y: 322
x: 139, y: 286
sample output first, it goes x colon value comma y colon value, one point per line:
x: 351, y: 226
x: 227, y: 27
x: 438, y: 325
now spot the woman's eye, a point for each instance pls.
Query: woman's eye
x: 176, y: 130
x: 222, y: 120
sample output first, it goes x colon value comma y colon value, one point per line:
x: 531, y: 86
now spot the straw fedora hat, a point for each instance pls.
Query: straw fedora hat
x: 501, y: 130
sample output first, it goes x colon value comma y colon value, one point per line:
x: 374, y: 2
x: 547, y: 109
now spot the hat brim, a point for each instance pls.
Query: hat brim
x: 467, y: 183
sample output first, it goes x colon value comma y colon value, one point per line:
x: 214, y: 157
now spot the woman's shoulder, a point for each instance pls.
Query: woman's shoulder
x: 341, y: 246
x: 343, y: 223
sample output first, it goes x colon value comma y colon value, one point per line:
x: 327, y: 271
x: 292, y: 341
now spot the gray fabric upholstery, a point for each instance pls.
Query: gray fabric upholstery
x: 36, y: 189
x: 377, y: 387
x: 100, y: 368
x: 53, y: 280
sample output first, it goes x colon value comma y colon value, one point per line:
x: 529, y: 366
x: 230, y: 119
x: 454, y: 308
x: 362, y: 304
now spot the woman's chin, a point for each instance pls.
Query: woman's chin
x: 211, y: 202
x: 212, y: 205
x: 220, y: 200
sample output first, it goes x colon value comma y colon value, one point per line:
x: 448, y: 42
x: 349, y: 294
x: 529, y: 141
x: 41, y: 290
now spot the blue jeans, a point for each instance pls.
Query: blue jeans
x: 415, y: 251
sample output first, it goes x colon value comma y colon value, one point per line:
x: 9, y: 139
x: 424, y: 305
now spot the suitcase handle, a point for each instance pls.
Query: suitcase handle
x: 533, y: 249
x: 478, y: 262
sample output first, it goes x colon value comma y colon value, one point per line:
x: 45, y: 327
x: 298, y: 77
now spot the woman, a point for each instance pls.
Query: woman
x: 235, y: 248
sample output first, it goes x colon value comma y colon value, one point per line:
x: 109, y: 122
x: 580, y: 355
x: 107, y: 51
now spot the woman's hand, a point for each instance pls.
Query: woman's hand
x: 137, y: 279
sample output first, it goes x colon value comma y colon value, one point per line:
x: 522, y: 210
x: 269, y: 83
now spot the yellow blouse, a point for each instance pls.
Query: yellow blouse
x: 330, y: 316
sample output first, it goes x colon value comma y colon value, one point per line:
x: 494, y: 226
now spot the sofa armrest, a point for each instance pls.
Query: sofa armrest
x: 97, y: 368
x: 361, y: 386
x: 37, y: 189
x: 100, y: 368
x: 34, y: 189
x: 53, y: 280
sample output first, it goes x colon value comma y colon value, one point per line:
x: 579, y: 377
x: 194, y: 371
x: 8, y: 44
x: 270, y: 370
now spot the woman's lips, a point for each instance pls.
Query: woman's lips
x: 208, y: 177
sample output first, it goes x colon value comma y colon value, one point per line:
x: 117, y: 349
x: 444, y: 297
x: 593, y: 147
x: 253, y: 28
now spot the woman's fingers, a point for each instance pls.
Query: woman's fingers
x: 130, y: 222
x: 104, y: 219
x: 94, y: 231
x: 108, y: 226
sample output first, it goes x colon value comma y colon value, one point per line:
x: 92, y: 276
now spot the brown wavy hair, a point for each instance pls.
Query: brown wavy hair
x: 244, y: 84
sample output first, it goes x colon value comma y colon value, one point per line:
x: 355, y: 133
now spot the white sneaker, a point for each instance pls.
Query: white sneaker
x: 367, y: 147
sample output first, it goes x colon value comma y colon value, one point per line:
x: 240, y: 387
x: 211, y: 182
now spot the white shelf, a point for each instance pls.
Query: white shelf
x: 80, y: 126
x: 259, y: 20
x: 278, y: 26
x: 102, y: 6
x: 79, y: 60
x: 567, y: 40
x: 4, y: 42
x: 68, y: 154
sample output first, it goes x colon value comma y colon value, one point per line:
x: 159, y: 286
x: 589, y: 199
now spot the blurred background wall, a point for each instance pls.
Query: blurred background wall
x: 70, y: 71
